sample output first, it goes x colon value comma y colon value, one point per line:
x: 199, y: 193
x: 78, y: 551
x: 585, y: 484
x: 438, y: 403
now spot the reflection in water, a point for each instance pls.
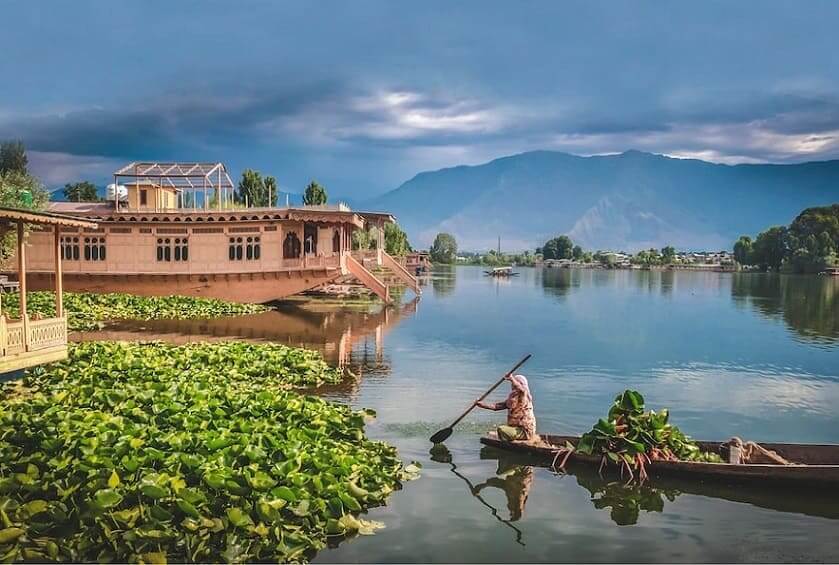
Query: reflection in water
x: 808, y: 304
x: 625, y: 501
x: 443, y: 279
x: 516, y: 490
x: 350, y: 337
x: 560, y: 282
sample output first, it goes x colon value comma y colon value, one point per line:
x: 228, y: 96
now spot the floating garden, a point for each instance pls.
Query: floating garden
x: 86, y: 310
x: 204, y: 452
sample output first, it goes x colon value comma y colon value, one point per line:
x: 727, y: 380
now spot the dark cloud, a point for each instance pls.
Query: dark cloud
x: 365, y: 94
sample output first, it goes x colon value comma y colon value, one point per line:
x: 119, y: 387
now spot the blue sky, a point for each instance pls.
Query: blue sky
x: 363, y: 95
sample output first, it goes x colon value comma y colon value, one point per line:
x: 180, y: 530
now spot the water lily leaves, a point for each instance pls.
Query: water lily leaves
x: 261, y: 481
x: 239, y: 517
x: 154, y: 491
x: 8, y: 535
x: 284, y: 493
x: 191, y: 452
x: 107, y: 498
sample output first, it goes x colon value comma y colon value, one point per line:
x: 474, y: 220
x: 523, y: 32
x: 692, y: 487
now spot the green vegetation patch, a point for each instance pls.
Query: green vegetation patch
x: 85, y: 310
x: 630, y: 437
x: 152, y: 452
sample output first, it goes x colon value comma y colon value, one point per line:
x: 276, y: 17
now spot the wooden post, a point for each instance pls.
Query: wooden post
x: 219, y: 189
x: 21, y: 270
x: 59, y: 290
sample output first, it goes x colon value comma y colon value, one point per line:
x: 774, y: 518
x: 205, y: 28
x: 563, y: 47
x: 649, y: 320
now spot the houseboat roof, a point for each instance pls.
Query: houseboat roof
x: 42, y: 218
x: 105, y: 212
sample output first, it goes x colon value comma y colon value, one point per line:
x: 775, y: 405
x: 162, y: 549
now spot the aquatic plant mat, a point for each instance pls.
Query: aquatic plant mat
x: 86, y: 310
x: 203, y: 452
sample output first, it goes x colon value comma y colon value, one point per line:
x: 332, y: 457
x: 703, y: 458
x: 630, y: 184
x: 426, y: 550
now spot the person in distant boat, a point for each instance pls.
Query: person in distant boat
x: 521, y: 423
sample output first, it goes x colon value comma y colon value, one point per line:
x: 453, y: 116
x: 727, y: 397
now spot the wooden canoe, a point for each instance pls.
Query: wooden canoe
x: 814, y: 464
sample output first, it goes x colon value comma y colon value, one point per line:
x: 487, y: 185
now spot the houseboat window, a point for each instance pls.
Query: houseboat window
x: 181, y: 249
x: 336, y: 242
x: 291, y: 246
x: 70, y: 248
x: 252, y: 251
x: 143, y: 197
x: 160, y: 249
x: 94, y: 249
x: 167, y: 251
x: 234, y: 251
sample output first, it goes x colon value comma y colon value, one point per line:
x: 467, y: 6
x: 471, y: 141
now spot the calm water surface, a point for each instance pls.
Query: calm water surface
x: 730, y: 354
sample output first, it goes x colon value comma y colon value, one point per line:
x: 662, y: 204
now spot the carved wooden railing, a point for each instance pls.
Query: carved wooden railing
x: 368, y: 279
x: 401, y: 272
x: 42, y: 334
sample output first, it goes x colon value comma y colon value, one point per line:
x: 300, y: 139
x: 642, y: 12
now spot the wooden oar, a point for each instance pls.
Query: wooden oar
x: 444, y: 434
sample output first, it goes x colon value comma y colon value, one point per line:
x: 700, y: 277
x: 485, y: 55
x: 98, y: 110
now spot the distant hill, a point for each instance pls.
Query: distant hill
x: 629, y: 201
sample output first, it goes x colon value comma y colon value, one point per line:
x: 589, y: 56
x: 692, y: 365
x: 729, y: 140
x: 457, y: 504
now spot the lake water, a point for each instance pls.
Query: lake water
x: 751, y: 355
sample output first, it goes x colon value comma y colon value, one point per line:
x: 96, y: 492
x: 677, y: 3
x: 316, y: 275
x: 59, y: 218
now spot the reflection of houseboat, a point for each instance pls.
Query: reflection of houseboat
x: 501, y: 272
x: 831, y: 272
x: 173, y: 228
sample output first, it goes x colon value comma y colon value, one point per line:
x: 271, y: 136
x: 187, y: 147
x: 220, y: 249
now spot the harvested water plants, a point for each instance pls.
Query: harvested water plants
x: 203, y: 452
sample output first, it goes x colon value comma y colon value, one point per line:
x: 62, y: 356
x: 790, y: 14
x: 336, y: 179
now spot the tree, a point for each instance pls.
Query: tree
x: 396, y: 241
x: 577, y: 253
x: 252, y: 189
x: 558, y: 248
x: 770, y: 248
x: 668, y: 254
x: 270, y: 191
x: 444, y: 248
x: 743, y: 250
x: 13, y: 157
x: 84, y: 191
x: 19, y: 190
x: 315, y: 194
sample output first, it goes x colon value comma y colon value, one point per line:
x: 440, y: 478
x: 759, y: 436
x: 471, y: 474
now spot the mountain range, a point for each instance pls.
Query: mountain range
x: 628, y: 201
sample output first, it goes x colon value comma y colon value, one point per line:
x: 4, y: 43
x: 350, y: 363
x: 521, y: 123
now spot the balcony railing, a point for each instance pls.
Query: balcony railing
x: 41, y: 334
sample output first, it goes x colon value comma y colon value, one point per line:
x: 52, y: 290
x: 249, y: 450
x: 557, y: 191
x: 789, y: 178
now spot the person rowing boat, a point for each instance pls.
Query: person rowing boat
x: 521, y: 422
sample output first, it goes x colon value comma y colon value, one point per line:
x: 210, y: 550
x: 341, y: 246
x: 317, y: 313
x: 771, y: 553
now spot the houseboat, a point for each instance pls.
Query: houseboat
x: 174, y: 229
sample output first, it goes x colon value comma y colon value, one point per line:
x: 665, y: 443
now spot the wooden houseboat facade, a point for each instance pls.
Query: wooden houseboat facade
x: 175, y: 231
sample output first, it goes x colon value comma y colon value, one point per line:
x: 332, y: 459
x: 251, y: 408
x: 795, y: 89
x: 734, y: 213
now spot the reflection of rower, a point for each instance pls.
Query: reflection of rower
x: 515, y: 481
x: 441, y: 454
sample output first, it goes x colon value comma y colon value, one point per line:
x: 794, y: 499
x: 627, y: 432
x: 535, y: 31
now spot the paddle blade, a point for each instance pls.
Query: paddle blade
x: 442, y: 435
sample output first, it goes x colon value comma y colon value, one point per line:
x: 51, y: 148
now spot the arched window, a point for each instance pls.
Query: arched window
x: 291, y: 246
x: 94, y: 248
x: 336, y: 242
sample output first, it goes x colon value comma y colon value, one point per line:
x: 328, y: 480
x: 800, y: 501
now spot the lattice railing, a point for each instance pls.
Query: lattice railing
x: 11, y: 337
x: 51, y: 332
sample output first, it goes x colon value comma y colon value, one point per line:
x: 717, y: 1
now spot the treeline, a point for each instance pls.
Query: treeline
x: 18, y: 187
x: 808, y: 245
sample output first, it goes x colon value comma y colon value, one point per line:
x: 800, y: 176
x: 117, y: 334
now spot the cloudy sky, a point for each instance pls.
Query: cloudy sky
x: 363, y: 95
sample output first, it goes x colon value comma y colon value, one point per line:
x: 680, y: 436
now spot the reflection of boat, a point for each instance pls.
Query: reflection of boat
x: 815, y: 464
x: 501, y: 272
x: 625, y: 502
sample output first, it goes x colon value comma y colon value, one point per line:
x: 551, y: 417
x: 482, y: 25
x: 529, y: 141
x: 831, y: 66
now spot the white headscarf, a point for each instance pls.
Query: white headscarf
x: 519, y: 383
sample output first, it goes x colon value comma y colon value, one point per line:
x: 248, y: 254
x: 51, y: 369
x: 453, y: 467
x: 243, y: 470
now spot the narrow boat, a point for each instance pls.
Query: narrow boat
x: 813, y: 464
x: 501, y: 272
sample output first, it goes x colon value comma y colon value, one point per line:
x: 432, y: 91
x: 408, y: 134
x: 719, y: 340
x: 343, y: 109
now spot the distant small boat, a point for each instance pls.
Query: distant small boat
x: 501, y: 272
x: 831, y: 272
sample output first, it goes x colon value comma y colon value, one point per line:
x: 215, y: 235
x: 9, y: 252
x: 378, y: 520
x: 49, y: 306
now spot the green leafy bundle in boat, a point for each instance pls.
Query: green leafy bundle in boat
x: 631, y: 437
x: 151, y: 452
